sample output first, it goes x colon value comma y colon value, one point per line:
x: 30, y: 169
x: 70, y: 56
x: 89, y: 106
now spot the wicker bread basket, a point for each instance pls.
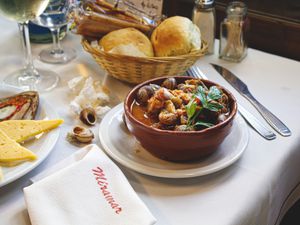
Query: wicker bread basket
x: 138, y: 69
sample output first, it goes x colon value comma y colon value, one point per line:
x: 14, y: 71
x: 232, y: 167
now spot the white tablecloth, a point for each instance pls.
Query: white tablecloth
x: 252, y: 191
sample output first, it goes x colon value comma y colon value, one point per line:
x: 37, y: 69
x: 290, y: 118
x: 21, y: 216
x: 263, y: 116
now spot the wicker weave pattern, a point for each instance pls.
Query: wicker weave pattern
x: 138, y: 69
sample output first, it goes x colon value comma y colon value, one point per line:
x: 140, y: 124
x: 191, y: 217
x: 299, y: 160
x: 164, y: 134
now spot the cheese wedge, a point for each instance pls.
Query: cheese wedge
x: 11, y: 151
x: 10, y: 164
x: 21, y: 130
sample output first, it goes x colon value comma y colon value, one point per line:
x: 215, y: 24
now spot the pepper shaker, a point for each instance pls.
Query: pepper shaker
x: 205, y: 18
x: 233, y: 44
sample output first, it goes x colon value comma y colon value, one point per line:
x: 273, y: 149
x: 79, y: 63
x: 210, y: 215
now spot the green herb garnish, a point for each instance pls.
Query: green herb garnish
x: 214, y: 93
x: 207, y: 101
x: 191, y: 108
x: 205, y: 124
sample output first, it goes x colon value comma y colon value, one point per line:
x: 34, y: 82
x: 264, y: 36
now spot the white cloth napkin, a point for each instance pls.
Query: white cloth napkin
x: 91, y: 190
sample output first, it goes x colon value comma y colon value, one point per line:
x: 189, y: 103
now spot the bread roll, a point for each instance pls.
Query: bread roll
x: 127, y: 41
x: 176, y: 36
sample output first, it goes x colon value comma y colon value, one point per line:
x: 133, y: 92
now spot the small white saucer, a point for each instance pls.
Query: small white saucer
x: 41, y: 146
x: 125, y: 149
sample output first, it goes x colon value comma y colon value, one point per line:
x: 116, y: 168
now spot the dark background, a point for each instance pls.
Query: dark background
x: 274, y: 24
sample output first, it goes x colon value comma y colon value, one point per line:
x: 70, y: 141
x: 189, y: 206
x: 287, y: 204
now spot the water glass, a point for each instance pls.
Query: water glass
x: 56, y: 16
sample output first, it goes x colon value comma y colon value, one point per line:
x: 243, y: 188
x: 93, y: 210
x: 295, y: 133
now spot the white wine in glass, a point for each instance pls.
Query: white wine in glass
x: 28, y: 78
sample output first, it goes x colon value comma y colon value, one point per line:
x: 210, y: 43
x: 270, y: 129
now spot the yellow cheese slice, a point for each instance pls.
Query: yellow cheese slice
x: 10, y: 164
x: 11, y: 151
x: 20, y: 130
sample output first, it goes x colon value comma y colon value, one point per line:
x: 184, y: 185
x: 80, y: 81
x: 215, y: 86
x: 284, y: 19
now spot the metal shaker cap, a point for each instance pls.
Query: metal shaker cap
x: 204, y: 3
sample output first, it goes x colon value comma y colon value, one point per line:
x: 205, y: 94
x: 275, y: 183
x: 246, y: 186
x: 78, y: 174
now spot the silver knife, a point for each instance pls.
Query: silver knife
x: 242, y: 88
x: 251, y: 120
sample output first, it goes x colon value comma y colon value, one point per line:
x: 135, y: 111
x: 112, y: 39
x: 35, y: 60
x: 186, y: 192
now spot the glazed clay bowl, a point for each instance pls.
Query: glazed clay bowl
x: 178, y: 145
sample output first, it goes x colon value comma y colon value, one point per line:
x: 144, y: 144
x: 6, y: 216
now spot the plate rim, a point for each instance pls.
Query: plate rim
x: 168, y: 173
x: 55, y: 135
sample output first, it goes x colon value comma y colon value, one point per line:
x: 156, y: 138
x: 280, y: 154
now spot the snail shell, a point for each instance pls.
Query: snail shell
x: 82, y: 134
x: 169, y: 83
x: 144, y: 94
x: 88, y: 116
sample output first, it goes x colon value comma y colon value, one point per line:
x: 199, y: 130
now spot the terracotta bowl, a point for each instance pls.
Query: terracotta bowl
x: 178, y: 145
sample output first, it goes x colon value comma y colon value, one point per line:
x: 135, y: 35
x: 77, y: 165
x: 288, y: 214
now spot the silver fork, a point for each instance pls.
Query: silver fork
x: 251, y: 120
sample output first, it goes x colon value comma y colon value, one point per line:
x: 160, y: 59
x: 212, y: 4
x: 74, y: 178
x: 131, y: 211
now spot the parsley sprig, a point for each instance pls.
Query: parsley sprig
x: 202, y: 99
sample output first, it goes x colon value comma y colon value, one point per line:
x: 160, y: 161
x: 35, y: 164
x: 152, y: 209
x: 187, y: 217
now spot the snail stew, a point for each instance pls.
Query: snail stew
x: 186, y: 106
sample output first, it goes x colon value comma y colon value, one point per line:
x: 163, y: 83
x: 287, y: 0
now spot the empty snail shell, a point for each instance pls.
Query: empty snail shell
x: 88, y: 116
x: 81, y: 134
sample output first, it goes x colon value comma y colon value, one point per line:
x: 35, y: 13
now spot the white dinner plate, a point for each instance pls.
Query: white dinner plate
x: 125, y: 149
x: 41, y: 146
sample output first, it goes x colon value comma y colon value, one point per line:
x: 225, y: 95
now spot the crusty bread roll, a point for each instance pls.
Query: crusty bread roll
x: 175, y: 36
x: 127, y: 41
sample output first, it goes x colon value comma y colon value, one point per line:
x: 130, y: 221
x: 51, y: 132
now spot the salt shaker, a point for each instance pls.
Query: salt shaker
x: 233, y: 44
x: 205, y: 18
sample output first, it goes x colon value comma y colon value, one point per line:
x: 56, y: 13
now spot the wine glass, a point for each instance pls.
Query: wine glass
x: 54, y: 17
x: 29, y: 77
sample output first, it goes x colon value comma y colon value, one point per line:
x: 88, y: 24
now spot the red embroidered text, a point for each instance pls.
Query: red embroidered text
x: 103, y: 184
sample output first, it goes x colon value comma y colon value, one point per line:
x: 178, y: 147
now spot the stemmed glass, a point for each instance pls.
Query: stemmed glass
x: 28, y: 78
x: 54, y: 17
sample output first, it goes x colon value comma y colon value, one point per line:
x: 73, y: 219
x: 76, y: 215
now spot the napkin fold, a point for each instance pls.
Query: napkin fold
x: 90, y: 190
